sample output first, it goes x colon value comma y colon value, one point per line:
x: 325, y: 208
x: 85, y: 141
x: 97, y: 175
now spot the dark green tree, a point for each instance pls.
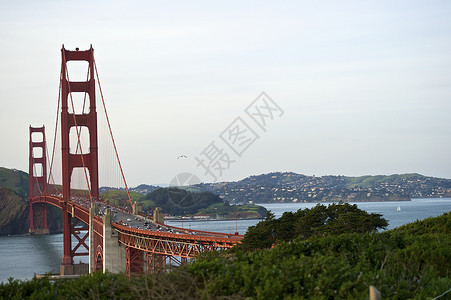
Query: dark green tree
x: 178, y: 201
x: 321, y: 220
x: 261, y: 235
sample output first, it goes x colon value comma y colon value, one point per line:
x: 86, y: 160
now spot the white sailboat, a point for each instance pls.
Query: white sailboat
x: 399, y: 208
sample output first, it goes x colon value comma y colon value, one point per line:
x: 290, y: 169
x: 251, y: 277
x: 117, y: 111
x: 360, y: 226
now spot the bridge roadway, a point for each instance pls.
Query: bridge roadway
x: 143, y: 223
x: 140, y: 235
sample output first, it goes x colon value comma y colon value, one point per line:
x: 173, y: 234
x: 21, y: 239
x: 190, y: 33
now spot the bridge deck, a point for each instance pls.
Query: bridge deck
x: 127, y: 223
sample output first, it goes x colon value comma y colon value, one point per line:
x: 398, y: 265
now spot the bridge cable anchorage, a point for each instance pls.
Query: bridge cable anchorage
x: 52, y: 160
x: 111, y: 132
x: 76, y: 128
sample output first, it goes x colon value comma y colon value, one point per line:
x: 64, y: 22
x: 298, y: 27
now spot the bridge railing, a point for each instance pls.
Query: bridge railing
x: 82, y: 213
x: 238, y: 236
x: 223, y: 238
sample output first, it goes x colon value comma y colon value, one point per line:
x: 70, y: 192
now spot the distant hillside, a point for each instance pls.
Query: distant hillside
x: 14, y: 210
x: 14, y: 179
x: 144, y: 189
x: 120, y: 197
x: 182, y: 202
x: 291, y: 187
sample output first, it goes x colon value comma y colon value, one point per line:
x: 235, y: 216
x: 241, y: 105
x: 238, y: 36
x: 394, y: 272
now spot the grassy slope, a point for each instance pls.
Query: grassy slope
x: 120, y: 198
x: 15, y: 180
x: 368, y: 181
x: 246, y: 211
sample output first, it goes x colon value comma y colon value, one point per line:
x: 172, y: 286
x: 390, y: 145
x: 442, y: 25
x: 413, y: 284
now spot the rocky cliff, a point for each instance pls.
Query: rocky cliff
x: 14, y: 213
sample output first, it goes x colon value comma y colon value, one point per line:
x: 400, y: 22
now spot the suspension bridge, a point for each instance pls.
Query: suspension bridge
x: 68, y: 177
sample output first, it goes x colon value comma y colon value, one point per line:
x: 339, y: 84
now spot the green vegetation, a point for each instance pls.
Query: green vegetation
x: 400, y: 265
x: 320, y: 220
x: 370, y: 181
x: 15, y: 180
x: 120, y: 197
x: 410, y: 262
x: 245, y: 211
x: 182, y: 202
x: 175, y: 285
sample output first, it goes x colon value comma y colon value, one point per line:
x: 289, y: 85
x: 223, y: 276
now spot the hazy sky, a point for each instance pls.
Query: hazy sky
x: 358, y: 87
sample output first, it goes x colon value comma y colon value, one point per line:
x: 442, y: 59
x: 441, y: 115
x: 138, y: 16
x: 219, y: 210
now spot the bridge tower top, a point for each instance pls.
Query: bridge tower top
x: 74, y: 119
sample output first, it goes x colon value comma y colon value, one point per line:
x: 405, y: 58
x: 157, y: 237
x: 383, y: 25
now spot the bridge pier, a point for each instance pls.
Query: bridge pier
x: 92, y: 210
x: 38, y: 219
x: 66, y: 266
x: 158, y: 216
x: 114, y: 254
x: 73, y: 226
x: 157, y: 262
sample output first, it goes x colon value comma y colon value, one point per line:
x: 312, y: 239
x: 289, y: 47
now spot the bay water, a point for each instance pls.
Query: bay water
x: 22, y: 256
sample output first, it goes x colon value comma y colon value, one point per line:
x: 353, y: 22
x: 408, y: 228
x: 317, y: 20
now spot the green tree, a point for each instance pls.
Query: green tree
x: 261, y: 235
x: 320, y: 220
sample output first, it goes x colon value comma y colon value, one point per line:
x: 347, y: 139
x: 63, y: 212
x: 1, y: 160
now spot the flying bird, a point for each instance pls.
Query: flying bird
x: 182, y: 156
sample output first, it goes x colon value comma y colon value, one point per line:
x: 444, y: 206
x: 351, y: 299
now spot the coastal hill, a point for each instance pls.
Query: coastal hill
x: 292, y: 187
x: 14, y: 213
x: 15, y: 180
x: 184, y: 202
x: 14, y: 209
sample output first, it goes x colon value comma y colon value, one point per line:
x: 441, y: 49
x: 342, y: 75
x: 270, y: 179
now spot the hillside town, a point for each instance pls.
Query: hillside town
x: 291, y: 187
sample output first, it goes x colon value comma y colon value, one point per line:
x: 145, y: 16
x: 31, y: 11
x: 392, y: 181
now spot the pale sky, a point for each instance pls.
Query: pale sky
x: 363, y: 87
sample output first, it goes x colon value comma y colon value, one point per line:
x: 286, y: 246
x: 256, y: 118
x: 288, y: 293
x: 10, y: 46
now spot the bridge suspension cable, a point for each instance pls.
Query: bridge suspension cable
x: 36, y: 177
x: 111, y: 132
x: 113, y: 172
x: 52, y: 159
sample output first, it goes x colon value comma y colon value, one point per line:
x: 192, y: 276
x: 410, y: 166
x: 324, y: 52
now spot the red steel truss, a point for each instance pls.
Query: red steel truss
x: 157, y: 251
x: 181, y: 245
x: 134, y: 259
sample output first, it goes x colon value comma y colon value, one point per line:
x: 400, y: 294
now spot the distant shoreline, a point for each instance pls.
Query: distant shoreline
x: 180, y: 220
x: 336, y: 201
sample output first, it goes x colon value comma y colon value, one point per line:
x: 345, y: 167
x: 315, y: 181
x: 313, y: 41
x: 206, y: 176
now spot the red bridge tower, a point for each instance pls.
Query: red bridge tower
x: 71, y: 119
x: 37, y: 181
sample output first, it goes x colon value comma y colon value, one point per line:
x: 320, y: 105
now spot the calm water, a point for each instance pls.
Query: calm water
x: 23, y: 256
